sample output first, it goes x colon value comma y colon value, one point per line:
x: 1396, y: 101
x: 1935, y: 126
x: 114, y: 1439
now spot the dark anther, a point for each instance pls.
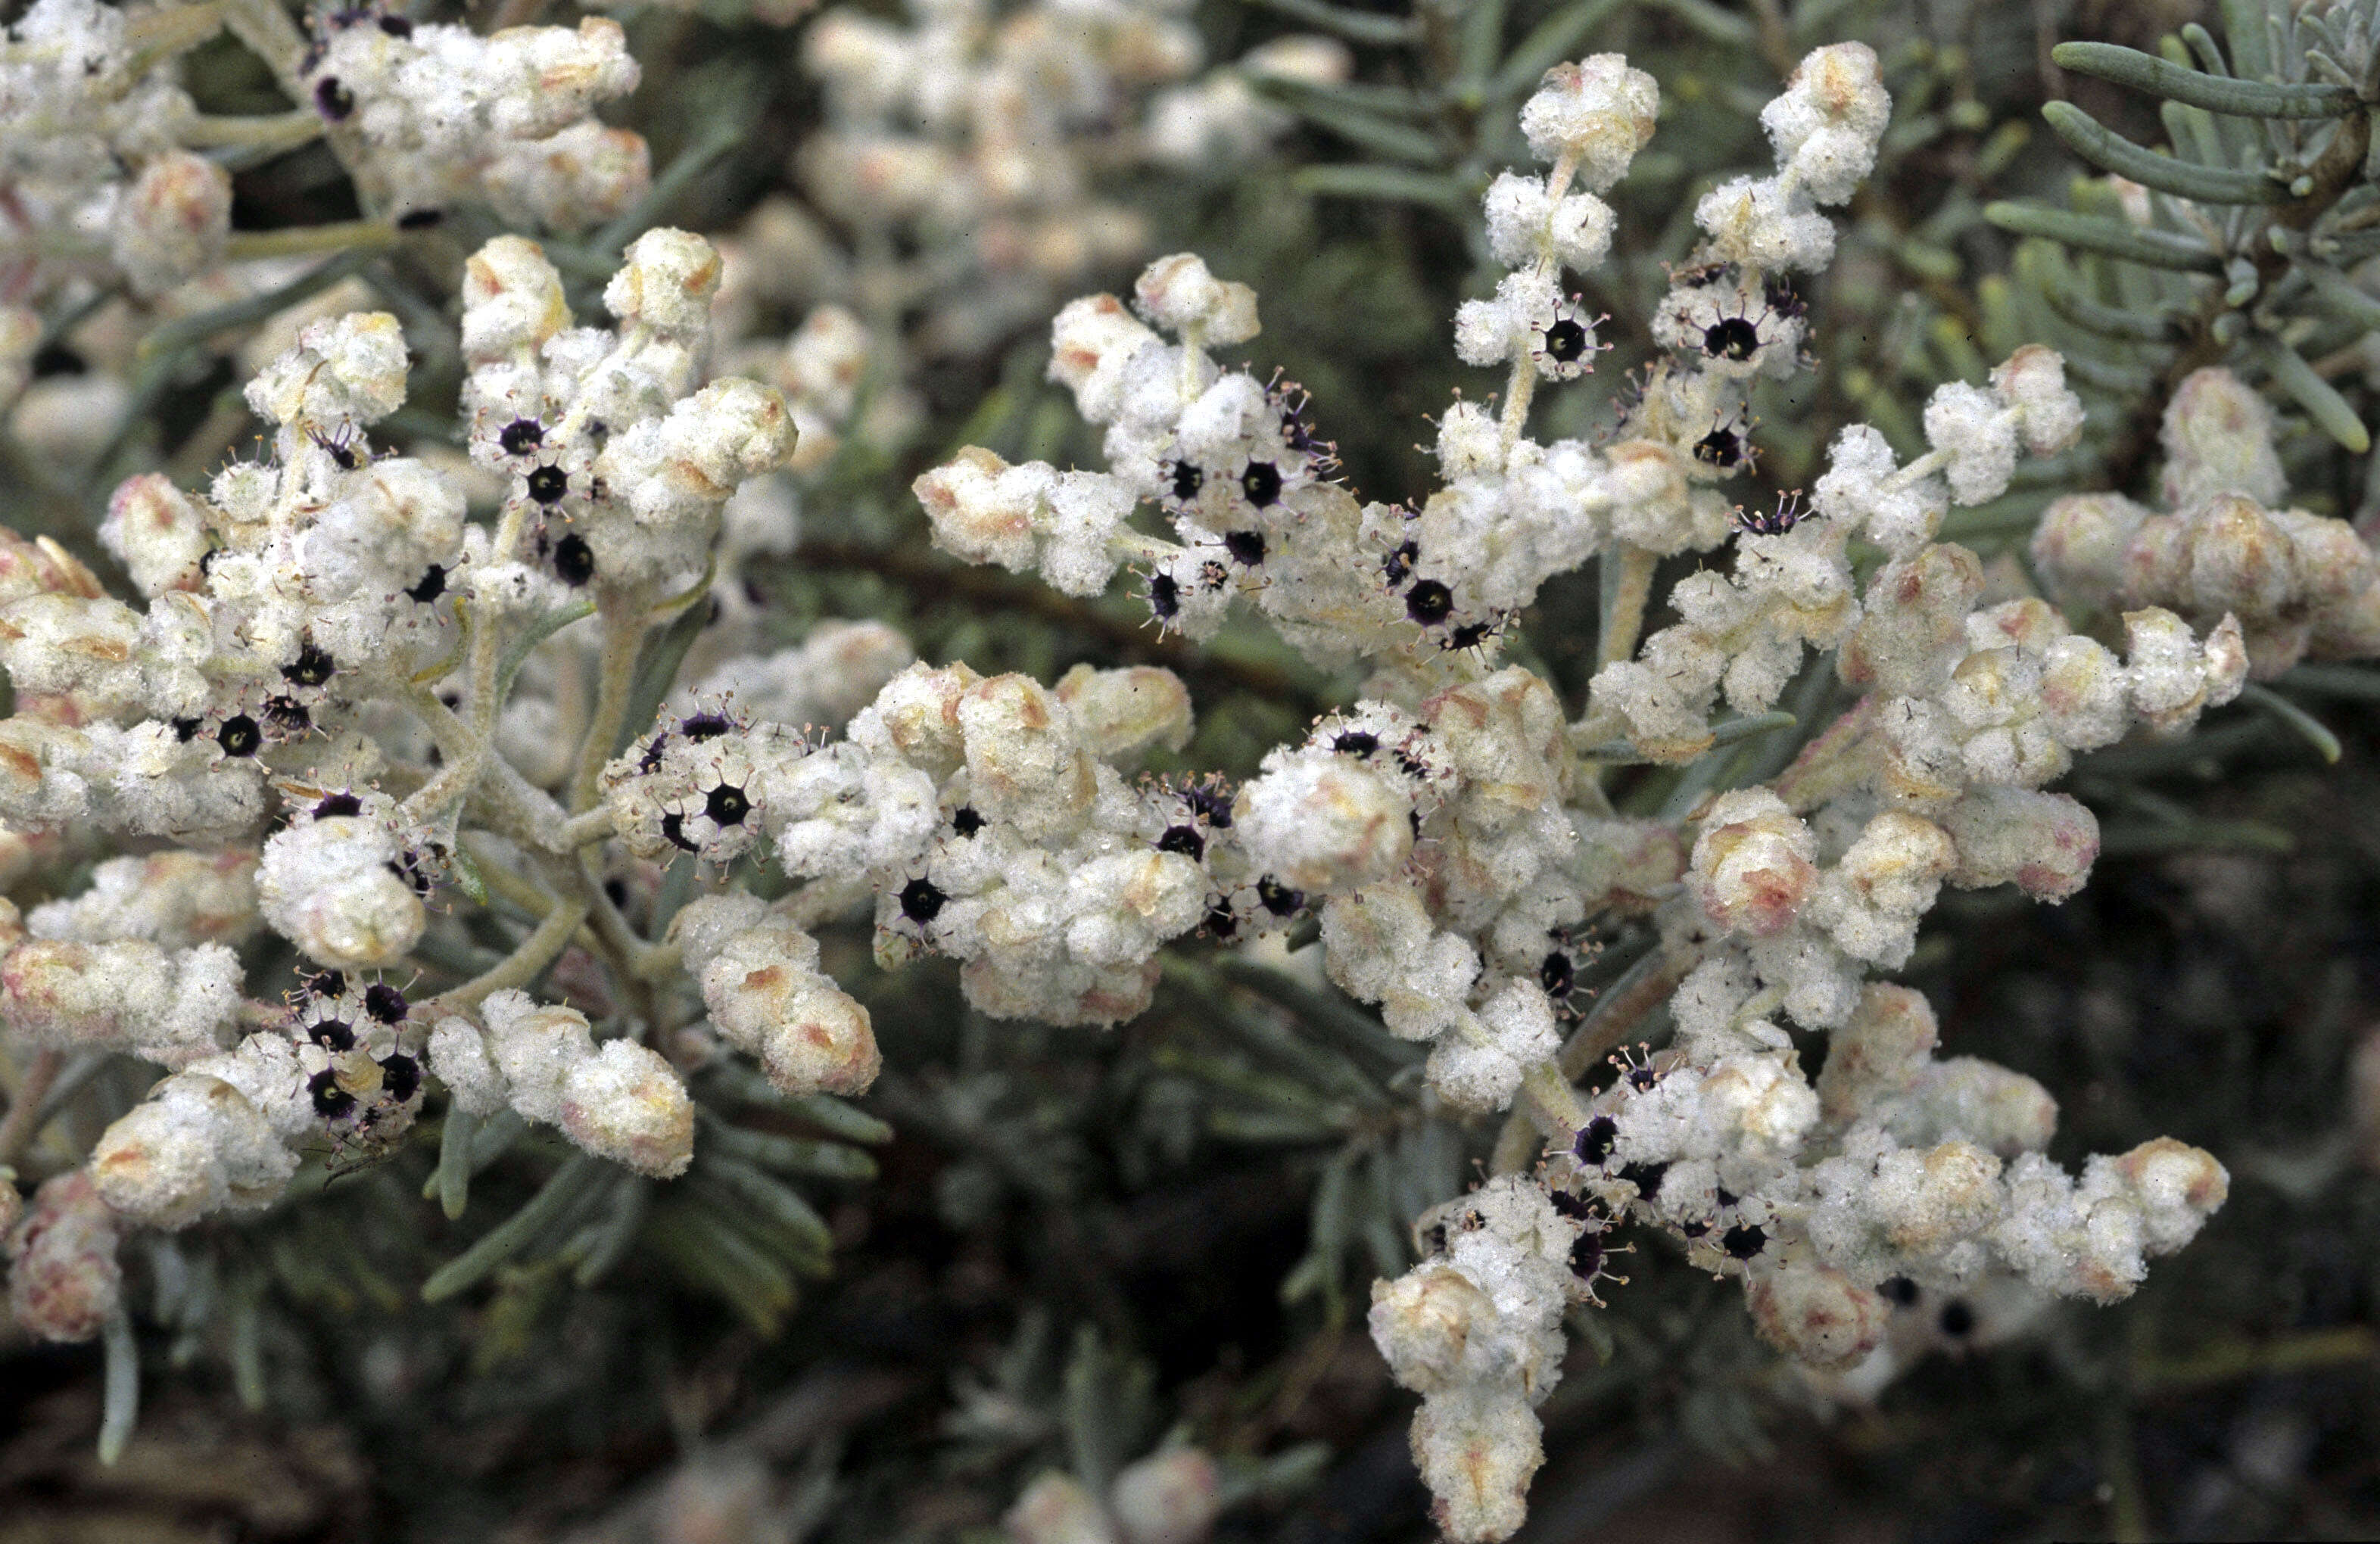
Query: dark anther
x: 1185, y: 840
x: 401, y: 1076
x: 1734, y: 338
x: 1209, y: 804
x: 311, y: 668
x: 965, y: 821
x: 521, y: 436
x: 1358, y: 743
x: 1471, y: 635
x: 432, y: 585
x: 331, y: 1102
x: 1645, y: 1177
x: 1187, y: 480
x: 921, y: 902
x: 1246, y: 547
x: 1958, y: 1318
x: 1744, y: 1240
x: 335, y: 103
x: 727, y: 806
x: 574, y: 560
x: 1428, y: 602
x: 384, y: 1003
x: 1261, y: 484
x: 547, y: 484
x: 1164, y: 597
x: 1899, y: 1290
x: 1595, y: 1139
x: 408, y: 868
x: 335, y: 805
x: 1279, y: 898
x: 1721, y: 447
x: 1565, y: 342
x: 239, y: 736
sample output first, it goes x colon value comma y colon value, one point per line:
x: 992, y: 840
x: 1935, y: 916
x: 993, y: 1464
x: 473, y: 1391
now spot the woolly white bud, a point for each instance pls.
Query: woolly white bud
x: 1600, y: 110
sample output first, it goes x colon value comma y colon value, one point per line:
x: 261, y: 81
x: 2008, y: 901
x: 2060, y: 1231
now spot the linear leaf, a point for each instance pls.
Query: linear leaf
x: 2154, y: 249
x: 2109, y: 150
x: 2317, y: 397
x: 1393, y: 182
x: 2247, y: 99
x: 1354, y: 26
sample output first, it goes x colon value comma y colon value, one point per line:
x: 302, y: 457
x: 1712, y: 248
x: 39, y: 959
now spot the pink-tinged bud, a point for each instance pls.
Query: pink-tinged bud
x: 1167, y: 1497
x: 1815, y: 1314
x: 1754, y: 864
x: 2044, y: 842
x: 1879, y: 1054
x: 63, y: 1279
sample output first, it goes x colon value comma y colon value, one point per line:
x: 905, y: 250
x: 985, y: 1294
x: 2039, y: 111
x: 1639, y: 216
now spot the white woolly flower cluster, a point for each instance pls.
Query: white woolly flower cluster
x: 982, y: 132
x: 90, y: 146
x: 1475, y: 1329
x: 433, y: 115
x: 620, y: 1100
x: 2301, y: 585
x: 330, y: 639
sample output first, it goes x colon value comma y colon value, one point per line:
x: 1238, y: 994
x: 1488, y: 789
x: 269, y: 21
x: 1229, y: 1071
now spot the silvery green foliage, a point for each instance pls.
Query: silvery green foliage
x: 495, y: 745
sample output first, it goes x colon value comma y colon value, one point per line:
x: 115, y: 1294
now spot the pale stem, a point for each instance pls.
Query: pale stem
x: 1630, y: 596
x: 541, y: 948
x: 269, y: 33
x: 272, y: 131
x: 1521, y: 385
x: 342, y: 235
x: 625, y: 624
x: 17, y: 1128
x: 1623, y: 1005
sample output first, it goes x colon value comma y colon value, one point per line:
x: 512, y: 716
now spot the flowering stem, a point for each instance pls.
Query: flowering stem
x: 340, y: 235
x: 541, y: 948
x: 19, y: 1126
x: 1623, y: 1006
x: 268, y: 131
x: 1632, y: 589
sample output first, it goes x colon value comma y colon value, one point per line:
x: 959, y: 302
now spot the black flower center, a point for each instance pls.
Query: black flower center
x: 432, y: 585
x: 336, y: 102
x: 1187, y: 480
x: 547, y: 484
x: 1261, y: 484
x: 1428, y: 602
x: 1246, y: 547
x: 965, y: 821
x: 727, y: 806
x: 335, y: 805
x: 1744, y: 1240
x: 1733, y: 337
x: 921, y: 902
x: 312, y: 667
x: 574, y: 560
x: 521, y: 436
x: 384, y: 1003
x: 239, y: 736
x: 1185, y: 840
x: 1565, y: 342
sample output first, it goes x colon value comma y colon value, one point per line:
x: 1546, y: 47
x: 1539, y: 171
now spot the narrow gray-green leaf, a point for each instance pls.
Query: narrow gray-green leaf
x: 1392, y: 183
x: 1354, y: 26
x: 2317, y: 397
x: 2109, y: 150
x: 2089, y: 233
x: 2247, y: 99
